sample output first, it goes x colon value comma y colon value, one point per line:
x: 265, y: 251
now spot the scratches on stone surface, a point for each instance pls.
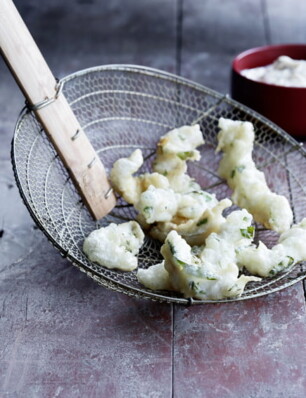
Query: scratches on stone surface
x: 58, y: 391
x: 12, y: 360
x: 243, y: 349
x: 26, y: 310
x: 13, y: 259
x: 172, y: 348
x: 146, y: 323
x: 266, y: 21
x: 179, y: 36
x: 17, y: 239
x: 59, y: 275
x: 215, y: 328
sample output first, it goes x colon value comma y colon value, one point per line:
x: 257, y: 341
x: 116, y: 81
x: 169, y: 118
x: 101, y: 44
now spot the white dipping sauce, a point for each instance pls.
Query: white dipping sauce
x: 285, y: 71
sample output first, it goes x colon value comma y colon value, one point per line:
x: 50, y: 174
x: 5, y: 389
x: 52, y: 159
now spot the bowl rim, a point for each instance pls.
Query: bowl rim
x: 266, y: 48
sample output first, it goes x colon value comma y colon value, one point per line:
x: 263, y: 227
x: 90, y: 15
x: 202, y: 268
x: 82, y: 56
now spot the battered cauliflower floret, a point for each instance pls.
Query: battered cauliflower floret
x: 194, y: 231
x: 249, y: 185
x: 191, y: 205
x: 163, y: 205
x: 155, y: 277
x: 129, y: 186
x: 122, y: 178
x: 205, y: 272
x: 154, y: 179
x: 173, y: 200
x: 213, y: 276
x: 291, y: 249
x: 115, y: 246
x: 221, y: 248
x: 182, y: 142
x: 173, y: 151
x: 237, y: 229
x: 175, y: 170
x: 156, y: 204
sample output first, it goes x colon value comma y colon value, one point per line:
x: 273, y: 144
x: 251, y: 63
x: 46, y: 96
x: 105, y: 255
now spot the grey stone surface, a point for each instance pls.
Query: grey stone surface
x: 62, y: 335
x: 214, y: 31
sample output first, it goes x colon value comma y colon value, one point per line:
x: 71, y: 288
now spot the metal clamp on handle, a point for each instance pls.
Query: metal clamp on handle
x: 47, y: 101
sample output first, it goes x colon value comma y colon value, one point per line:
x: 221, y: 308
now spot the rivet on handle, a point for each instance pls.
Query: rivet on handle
x: 75, y: 136
x: 47, y: 101
x: 108, y: 193
x: 91, y: 163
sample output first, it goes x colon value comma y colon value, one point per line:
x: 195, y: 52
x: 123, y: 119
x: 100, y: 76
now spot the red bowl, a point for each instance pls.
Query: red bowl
x: 285, y: 106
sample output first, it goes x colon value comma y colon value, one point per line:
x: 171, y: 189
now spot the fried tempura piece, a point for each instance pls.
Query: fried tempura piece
x: 290, y: 249
x: 194, y: 231
x: 155, y: 277
x: 250, y: 190
x: 174, y: 149
x: 126, y: 184
x: 115, y: 246
x: 207, y: 272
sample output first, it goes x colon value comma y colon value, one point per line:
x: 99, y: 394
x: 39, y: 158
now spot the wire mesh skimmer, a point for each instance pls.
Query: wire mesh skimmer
x: 122, y: 108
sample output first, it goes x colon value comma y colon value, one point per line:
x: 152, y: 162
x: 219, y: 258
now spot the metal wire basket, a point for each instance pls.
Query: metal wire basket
x: 124, y: 107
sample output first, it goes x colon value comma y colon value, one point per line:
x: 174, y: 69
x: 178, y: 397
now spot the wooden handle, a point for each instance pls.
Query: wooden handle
x: 58, y: 120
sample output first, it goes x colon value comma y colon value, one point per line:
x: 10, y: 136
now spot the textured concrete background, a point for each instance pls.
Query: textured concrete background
x: 61, y: 335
